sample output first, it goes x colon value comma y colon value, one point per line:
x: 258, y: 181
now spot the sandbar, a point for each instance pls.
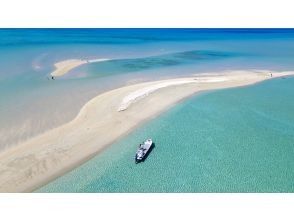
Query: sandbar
x: 63, y: 67
x: 39, y: 160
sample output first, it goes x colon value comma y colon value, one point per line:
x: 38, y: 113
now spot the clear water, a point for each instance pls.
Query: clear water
x: 130, y: 65
x: 232, y: 140
x: 218, y: 163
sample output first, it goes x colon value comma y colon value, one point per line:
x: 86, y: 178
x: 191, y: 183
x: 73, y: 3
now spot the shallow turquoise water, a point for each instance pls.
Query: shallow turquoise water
x: 232, y: 140
x: 28, y: 99
x: 208, y: 152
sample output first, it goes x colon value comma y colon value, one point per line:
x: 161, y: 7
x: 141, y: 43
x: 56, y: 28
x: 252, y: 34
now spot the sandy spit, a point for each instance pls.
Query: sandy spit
x: 33, y: 163
x: 63, y: 67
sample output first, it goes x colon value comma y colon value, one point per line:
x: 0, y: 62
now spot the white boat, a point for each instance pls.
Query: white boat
x: 143, y: 150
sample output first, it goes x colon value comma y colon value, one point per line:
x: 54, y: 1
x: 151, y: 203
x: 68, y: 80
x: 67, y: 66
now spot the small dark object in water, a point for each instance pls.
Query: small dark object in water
x: 52, y: 77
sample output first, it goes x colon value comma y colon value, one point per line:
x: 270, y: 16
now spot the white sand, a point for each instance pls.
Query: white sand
x: 63, y: 67
x: 141, y: 93
x: 39, y: 160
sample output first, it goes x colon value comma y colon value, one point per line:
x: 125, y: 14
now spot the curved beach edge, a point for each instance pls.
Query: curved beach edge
x: 35, y: 162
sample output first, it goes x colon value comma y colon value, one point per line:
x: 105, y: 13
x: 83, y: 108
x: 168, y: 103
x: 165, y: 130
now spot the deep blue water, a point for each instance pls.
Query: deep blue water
x: 134, y: 35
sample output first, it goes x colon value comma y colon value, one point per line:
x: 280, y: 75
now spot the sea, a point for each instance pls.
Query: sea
x: 231, y: 140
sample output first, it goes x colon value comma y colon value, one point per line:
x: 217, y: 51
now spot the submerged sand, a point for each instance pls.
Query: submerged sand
x: 100, y: 122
